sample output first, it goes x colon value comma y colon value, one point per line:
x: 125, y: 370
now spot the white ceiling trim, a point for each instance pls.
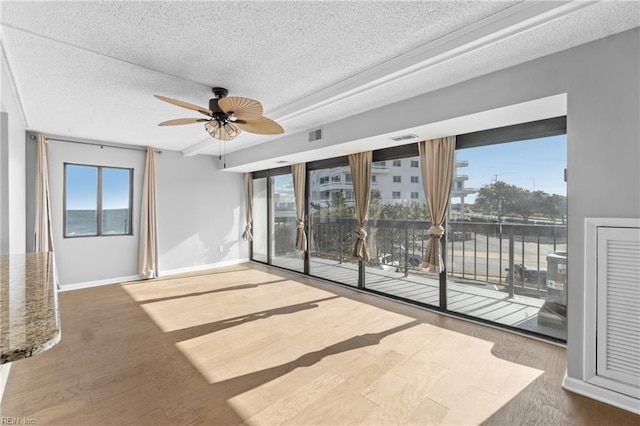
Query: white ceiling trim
x: 518, y: 19
x: 12, y: 79
x: 93, y: 52
x: 524, y: 112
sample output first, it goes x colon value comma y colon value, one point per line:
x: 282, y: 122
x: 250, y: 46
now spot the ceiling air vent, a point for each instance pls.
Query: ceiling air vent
x: 404, y: 137
x: 282, y: 162
x: 315, y: 135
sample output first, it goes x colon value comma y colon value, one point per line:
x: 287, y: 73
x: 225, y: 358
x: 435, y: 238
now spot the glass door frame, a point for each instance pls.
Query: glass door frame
x: 268, y: 174
x: 517, y: 132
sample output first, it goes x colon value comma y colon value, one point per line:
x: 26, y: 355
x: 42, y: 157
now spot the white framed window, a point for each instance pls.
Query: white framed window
x: 397, y: 179
x: 414, y: 179
x: 97, y: 200
x: 397, y: 163
x: 395, y: 195
x: 414, y: 195
x: 414, y: 163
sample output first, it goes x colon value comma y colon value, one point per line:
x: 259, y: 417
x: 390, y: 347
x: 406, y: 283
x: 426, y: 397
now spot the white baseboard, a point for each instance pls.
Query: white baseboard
x: 4, y: 376
x: 601, y: 394
x: 120, y: 280
x: 202, y: 267
x: 98, y: 283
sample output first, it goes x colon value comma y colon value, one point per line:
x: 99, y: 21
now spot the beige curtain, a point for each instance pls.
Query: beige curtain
x: 361, y: 180
x: 436, y: 166
x: 299, y: 172
x: 43, y: 229
x: 148, y: 254
x: 247, y: 235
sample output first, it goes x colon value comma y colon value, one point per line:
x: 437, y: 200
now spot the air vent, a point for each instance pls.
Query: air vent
x: 315, y: 135
x: 282, y: 162
x: 404, y: 137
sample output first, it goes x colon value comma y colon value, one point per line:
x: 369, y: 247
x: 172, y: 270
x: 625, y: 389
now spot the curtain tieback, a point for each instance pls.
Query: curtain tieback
x: 299, y: 224
x: 361, y: 233
x: 436, y: 231
x: 247, y: 227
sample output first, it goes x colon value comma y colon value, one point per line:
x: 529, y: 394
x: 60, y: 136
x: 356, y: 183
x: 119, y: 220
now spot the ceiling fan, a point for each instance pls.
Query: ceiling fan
x: 227, y: 117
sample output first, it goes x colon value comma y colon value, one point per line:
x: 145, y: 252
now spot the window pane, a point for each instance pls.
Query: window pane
x: 283, y: 226
x: 506, y: 235
x: 332, y: 227
x: 116, y: 208
x: 260, y: 219
x: 397, y: 239
x: 81, y: 203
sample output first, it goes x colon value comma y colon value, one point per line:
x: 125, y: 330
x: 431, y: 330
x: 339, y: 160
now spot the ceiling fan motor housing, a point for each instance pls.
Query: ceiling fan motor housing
x: 220, y: 92
x: 218, y: 113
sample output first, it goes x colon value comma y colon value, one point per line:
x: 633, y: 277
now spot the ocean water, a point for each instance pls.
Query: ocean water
x: 84, y: 222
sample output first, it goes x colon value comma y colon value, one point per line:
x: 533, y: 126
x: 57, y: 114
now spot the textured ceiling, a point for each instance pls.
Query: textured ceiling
x: 89, y: 70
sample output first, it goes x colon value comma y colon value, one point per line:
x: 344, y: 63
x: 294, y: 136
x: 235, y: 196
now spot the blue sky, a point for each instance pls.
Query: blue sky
x: 82, y: 188
x: 533, y: 164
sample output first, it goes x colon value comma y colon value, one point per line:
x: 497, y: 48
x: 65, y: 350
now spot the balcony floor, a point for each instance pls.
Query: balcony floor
x: 477, y: 299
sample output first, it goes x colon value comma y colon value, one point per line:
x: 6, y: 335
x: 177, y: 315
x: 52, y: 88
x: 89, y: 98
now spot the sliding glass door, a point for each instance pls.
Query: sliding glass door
x: 398, y: 224
x: 282, y: 228
x: 260, y: 217
x: 332, y: 225
x: 506, y: 237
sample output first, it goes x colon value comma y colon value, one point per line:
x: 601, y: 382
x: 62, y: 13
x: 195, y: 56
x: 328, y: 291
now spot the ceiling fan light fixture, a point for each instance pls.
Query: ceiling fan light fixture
x: 221, y: 130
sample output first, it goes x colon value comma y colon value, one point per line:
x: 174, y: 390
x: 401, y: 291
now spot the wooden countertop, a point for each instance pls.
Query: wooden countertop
x: 29, y: 315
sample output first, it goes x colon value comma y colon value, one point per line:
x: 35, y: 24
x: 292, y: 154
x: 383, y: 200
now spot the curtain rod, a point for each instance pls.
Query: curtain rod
x: 96, y: 143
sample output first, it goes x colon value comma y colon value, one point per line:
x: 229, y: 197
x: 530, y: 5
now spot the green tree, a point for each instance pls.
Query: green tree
x: 497, y: 199
x: 502, y: 199
x: 555, y: 207
x: 339, y: 206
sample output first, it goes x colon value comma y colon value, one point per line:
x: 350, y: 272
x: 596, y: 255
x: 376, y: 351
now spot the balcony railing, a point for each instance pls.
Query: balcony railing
x: 508, y: 257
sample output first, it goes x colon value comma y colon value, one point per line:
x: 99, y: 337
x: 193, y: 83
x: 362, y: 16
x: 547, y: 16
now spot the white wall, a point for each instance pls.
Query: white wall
x: 12, y: 167
x: 602, y: 83
x: 199, y: 209
x: 88, y: 259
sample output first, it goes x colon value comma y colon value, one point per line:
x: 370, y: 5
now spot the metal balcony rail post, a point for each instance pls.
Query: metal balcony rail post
x: 512, y: 272
x: 486, y: 236
x: 341, y: 236
x: 406, y: 250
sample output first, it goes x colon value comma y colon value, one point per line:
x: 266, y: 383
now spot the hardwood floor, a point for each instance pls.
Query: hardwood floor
x: 255, y: 345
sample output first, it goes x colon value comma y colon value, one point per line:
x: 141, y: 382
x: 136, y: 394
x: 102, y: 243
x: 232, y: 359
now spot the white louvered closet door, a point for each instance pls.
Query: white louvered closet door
x: 618, y: 308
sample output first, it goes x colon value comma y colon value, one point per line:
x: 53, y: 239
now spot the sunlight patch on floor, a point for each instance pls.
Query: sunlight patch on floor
x: 222, y: 305
x: 195, y: 282
x: 289, y: 352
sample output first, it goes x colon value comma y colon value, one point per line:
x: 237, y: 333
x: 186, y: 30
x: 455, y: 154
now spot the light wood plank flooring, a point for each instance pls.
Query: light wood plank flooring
x: 255, y: 345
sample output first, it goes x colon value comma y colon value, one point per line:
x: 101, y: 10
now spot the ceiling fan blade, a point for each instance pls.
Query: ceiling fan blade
x: 179, y: 121
x: 242, y: 108
x: 187, y: 105
x: 261, y: 126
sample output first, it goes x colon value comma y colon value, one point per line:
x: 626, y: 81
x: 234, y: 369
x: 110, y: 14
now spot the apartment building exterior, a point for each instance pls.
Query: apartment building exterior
x: 397, y: 181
